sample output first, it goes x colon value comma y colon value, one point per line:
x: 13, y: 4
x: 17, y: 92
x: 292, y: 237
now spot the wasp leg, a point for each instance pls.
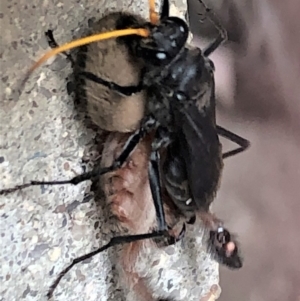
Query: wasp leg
x: 53, y: 44
x: 118, y: 240
x: 124, y: 90
x: 244, y: 143
x: 214, y: 45
x: 222, y: 37
x: 165, y: 10
x: 128, y: 148
x: 162, y: 139
x: 155, y: 186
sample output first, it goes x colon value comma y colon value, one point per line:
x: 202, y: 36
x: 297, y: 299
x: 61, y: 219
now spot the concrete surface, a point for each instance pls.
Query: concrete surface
x: 44, y: 228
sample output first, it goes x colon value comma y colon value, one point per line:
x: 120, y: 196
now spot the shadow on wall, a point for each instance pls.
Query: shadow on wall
x: 258, y: 90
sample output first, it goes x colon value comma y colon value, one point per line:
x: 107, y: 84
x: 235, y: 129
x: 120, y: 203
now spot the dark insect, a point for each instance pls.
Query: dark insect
x: 186, y: 155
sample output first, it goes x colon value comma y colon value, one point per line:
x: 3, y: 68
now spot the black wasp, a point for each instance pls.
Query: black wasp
x: 180, y: 109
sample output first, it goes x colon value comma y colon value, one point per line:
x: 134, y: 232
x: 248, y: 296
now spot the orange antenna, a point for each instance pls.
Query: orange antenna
x: 154, y: 17
x: 80, y: 42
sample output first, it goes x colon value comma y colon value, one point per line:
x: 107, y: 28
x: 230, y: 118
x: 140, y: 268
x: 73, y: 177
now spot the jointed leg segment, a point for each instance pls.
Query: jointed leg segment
x: 243, y: 143
x: 222, y: 37
x: 161, y: 139
x: 118, y: 240
x: 154, y: 178
x: 53, y: 44
x: 129, y: 147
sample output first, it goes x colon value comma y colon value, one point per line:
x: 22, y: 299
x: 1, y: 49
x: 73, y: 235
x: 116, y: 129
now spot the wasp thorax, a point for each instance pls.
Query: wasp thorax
x: 186, y: 74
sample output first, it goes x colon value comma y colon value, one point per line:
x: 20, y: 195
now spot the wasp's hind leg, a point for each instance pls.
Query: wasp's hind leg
x: 53, y: 44
x: 165, y: 9
x: 161, y: 140
x: 155, y: 186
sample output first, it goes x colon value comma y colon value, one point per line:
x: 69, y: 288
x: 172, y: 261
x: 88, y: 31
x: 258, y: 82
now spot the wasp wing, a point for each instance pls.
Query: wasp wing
x: 201, y: 151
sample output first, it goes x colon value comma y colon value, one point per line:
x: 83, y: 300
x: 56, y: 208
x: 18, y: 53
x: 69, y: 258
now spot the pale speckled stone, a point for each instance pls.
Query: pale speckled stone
x: 54, y: 254
x: 43, y: 228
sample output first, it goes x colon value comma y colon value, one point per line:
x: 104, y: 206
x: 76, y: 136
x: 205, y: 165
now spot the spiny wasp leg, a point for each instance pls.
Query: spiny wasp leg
x: 128, y: 148
x: 53, y: 44
x: 118, y: 240
x: 165, y: 9
x: 124, y: 90
x: 161, y: 139
x: 242, y: 142
x: 222, y: 37
x: 155, y: 186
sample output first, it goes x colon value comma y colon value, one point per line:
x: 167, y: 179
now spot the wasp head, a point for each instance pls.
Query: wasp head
x: 165, y: 42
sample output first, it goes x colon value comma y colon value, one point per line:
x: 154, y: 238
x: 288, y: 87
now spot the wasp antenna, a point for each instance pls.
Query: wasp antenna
x: 154, y: 17
x: 84, y: 41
